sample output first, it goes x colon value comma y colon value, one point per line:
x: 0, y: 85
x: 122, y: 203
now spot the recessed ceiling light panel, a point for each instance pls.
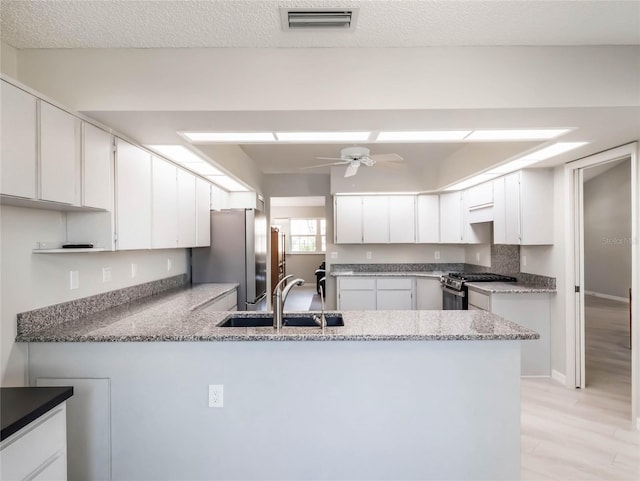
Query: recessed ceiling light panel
x: 475, y: 180
x: 515, y: 134
x: 323, y: 136
x: 423, y: 136
x: 553, y: 150
x: 227, y: 183
x: 237, y: 137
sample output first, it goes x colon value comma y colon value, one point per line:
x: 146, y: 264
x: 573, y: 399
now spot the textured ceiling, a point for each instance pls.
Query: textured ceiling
x: 256, y: 23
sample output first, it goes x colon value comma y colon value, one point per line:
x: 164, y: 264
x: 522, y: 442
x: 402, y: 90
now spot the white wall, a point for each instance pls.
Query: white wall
x: 478, y: 254
x: 607, y: 232
x: 8, y: 60
x: 29, y: 281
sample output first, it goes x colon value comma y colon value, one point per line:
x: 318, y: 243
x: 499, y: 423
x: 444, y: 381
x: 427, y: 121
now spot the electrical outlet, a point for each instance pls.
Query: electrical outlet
x: 216, y: 395
x: 477, y: 256
x: 524, y: 260
x: 74, y: 279
x: 436, y: 255
x: 369, y: 254
x: 169, y: 264
x: 134, y: 270
x: 106, y: 274
x: 334, y: 255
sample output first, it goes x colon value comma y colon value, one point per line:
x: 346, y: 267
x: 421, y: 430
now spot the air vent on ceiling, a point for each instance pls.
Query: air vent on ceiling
x: 294, y: 19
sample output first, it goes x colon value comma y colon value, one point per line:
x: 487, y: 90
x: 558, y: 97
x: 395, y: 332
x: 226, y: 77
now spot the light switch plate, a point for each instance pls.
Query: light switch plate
x: 436, y: 255
x: 74, y: 279
x: 106, y: 274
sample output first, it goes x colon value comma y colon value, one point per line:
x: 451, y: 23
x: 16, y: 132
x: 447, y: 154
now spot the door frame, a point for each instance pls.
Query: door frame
x: 574, y: 262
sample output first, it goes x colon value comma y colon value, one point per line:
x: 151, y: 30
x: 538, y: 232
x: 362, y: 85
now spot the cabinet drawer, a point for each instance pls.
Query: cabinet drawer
x: 361, y: 283
x: 36, y: 443
x: 481, y: 301
x: 394, y: 284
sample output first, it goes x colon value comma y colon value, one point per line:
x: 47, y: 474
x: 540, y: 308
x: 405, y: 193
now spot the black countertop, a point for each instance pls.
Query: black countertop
x: 21, y: 405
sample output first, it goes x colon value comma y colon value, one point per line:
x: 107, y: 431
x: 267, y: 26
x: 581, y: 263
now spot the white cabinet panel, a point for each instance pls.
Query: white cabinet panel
x: 375, y: 219
x: 97, y: 171
x: 219, y: 198
x: 392, y: 300
x: 59, y: 155
x: 357, y: 300
x: 428, y: 219
x: 512, y: 208
x: 165, y: 204
x: 203, y: 212
x: 499, y: 212
x: 18, y: 142
x: 133, y: 197
x: 402, y: 219
x: 451, y: 218
x: 428, y: 294
x: 480, y: 195
x: 186, y: 209
x: 348, y: 219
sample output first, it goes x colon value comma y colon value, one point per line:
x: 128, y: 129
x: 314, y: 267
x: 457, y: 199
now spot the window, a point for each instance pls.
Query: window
x: 308, y: 235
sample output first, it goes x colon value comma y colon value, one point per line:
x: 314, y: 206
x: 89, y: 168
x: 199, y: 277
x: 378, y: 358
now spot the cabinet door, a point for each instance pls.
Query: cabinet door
x: 18, y: 142
x: 186, y: 209
x: 451, y: 218
x: 97, y: 176
x: 133, y: 197
x: 512, y: 208
x: 59, y: 155
x: 428, y: 294
x: 392, y: 300
x: 428, y: 219
x: 203, y: 212
x: 402, y: 219
x: 499, y: 212
x: 165, y: 204
x: 352, y: 300
x: 375, y: 219
x: 348, y: 219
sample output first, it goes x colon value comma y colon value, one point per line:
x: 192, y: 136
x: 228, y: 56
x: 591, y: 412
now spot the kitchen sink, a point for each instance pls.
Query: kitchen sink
x: 291, y: 320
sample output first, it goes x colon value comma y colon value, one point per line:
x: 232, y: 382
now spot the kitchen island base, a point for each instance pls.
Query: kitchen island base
x: 363, y: 410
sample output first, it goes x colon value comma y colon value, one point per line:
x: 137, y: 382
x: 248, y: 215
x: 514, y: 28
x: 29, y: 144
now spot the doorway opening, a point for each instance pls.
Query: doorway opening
x: 298, y: 246
x: 602, y: 274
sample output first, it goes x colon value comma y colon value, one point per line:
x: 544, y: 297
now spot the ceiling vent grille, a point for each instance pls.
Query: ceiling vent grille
x: 293, y: 19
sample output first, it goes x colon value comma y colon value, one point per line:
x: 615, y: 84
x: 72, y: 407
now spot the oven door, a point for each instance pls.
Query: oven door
x: 453, y: 299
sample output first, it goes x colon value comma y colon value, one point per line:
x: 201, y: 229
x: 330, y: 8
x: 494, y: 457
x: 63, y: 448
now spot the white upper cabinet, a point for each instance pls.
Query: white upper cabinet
x: 186, y: 209
x: 203, y: 213
x: 133, y: 197
x: 523, y: 208
x: 219, y: 198
x: 375, y: 219
x: 428, y: 219
x: 165, y: 204
x: 59, y: 155
x: 451, y: 231
x: 18, y: 143
x: 97, y: 167
x: 479, y: 202
x: 348, y: 219
x: 402, y: 219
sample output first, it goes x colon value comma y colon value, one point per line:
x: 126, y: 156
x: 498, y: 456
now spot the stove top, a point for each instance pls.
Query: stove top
x: 481, y: 277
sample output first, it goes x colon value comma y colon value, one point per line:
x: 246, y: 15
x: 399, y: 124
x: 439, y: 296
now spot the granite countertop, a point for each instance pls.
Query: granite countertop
x: 434, y: 274
x: 20, y: 406
x: 175, y: 316
x: 507, y: 288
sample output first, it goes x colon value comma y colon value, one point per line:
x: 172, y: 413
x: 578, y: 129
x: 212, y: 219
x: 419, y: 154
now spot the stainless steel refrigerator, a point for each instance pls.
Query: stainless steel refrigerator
x: 238, y: 254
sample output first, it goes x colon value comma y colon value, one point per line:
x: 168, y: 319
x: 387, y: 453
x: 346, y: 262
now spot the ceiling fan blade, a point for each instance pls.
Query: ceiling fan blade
x: 386, y: 158
x: 352, y: 169
x: 332, y: 158
x: 322, y: 165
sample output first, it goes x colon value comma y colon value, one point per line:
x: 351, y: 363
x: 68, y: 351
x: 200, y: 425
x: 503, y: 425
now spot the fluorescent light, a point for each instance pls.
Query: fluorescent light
x: 227, y: 183
x: 204, y: 168
x: 177, y: 153
x: 229, y: 136
x: 511, y: 166
x: 322, y: 136
x: 544, y: 134
x: 553, y: 150
x: 476, y: 179
x: 423, y: 136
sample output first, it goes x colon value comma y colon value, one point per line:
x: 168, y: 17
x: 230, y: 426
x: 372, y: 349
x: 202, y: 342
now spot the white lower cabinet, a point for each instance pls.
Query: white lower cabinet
x: 37, y: 451
x: 428, y: 294
x: 370, y: 293
x: 228, y: 302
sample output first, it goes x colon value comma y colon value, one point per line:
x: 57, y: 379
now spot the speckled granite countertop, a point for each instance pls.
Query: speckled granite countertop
x: 507, y: 288
x: 175, y: 317
x: 434, y: 274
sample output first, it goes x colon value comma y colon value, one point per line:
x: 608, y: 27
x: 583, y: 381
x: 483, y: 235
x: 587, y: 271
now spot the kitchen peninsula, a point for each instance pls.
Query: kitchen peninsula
x: 389, y: 395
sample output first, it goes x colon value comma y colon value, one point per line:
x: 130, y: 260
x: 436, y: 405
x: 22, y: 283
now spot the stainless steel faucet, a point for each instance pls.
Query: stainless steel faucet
x: 280, y: 296
x: 321, y: 320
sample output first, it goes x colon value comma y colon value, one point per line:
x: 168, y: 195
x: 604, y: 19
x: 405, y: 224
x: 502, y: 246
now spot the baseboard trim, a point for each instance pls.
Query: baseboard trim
x: 559, y: 377
x: 607, y: 296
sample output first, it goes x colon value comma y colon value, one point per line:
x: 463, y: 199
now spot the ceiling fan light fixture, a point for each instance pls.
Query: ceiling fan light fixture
x: 423, y: 136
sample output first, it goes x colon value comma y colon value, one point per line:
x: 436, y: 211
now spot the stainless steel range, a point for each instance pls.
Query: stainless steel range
x: 455, y: 292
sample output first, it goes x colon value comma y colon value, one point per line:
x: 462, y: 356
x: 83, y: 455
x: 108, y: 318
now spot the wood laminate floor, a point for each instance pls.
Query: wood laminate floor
x: 585, y: 434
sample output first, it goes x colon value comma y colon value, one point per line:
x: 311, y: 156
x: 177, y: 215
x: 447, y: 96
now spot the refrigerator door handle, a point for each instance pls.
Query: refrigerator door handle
x: 257, y: 300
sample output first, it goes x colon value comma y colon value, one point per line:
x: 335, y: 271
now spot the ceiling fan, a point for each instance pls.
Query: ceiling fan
x: 354, y: 157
